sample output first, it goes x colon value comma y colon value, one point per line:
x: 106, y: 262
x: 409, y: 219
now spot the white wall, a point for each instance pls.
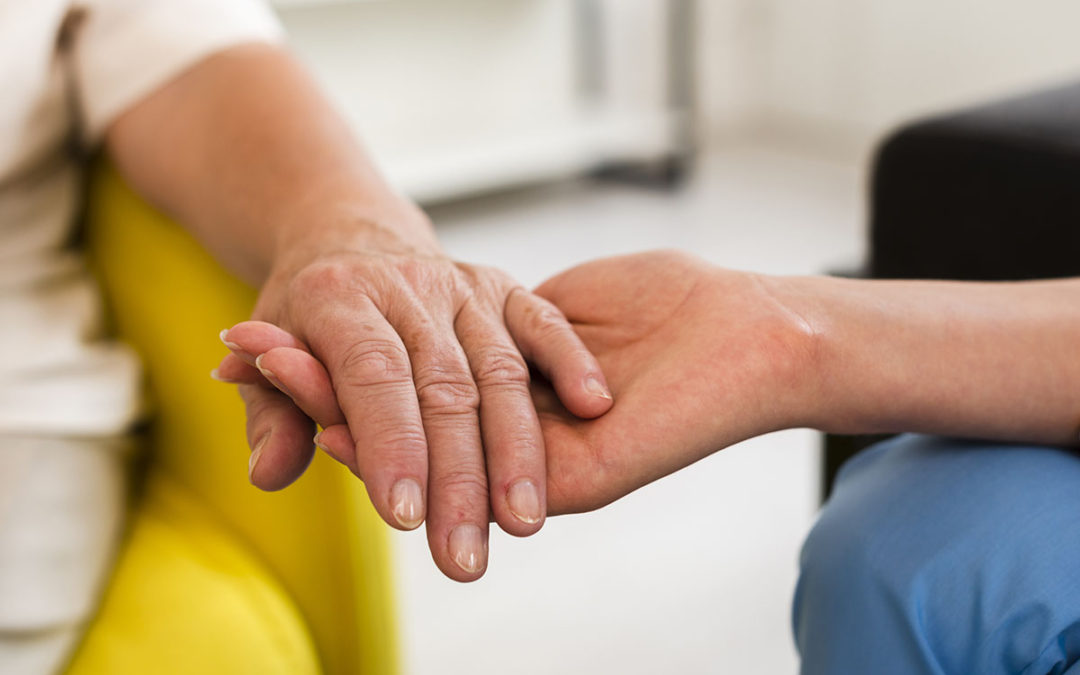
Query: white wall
x: 455, y: 96
x: 850, y: 69
x: 732, y: 38
x: 416, y: 73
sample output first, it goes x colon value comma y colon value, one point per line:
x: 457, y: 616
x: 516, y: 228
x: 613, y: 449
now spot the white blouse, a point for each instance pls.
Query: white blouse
x: 67, y: 69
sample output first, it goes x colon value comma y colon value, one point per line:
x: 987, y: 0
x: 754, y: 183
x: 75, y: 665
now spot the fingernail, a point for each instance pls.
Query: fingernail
x: 253, y: 461
x: 524, y: 501
x: 597, y: 388
x: 467, y: 548
x: 319, y: 444
x: 269, y: 375
x: 231, y: 345
x: 407, y: 503
x: 235, y: 348
x: 217, y: 376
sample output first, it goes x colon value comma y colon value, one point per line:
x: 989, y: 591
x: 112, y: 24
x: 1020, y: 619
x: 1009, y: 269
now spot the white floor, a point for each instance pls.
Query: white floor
x: 692, y: 574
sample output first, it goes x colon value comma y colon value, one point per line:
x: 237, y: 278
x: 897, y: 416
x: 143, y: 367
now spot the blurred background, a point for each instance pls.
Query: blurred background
x: 542, y: 133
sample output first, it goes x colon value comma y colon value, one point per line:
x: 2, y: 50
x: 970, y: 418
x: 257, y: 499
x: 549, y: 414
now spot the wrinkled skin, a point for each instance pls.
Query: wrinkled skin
x: 428, y: 364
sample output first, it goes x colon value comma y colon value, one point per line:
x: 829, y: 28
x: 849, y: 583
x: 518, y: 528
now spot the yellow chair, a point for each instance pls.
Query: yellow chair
x: 215, y: 576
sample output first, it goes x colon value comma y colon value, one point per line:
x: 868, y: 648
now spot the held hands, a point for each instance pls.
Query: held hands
x: 424, y: 360
x: 698, y: 358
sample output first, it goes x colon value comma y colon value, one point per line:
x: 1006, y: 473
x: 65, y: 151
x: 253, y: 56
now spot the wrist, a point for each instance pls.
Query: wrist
x: 335, y: 225
x: 814, y: 387
x: 857, y: 377
x: 772, y: 330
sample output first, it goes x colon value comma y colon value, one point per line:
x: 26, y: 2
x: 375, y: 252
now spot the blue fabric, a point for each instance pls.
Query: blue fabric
x: 945, y: 557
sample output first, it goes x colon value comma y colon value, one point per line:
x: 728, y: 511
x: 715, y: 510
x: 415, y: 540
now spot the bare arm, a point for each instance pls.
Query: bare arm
x: 990, y: 360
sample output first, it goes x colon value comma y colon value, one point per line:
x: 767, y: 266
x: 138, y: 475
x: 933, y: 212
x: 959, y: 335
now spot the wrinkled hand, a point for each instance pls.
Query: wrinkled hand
x: 424, y: 360
x: 698, y: 358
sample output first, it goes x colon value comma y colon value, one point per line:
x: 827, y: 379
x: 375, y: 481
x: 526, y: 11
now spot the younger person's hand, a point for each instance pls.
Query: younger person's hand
x: 698, y: 357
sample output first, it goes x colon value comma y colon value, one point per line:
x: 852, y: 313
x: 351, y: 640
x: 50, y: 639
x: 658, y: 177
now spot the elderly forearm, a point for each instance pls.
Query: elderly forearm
x: 246, y: 152
x: 989, y: 360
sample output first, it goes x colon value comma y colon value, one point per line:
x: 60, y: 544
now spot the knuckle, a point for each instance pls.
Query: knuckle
x: 326, y: 276
x: 403, y: 441
x: 488, y: 281
x: 519, y: 444
x: 373, y: 362
x: 468, y: 273
x: 549, y: 333
x: 470, y: 486
x: 415, y: 270
x: 426, y: 275
x: 545, y: 318
x: 500, y: 366
x: 448, y: 391
x: 554, y: 333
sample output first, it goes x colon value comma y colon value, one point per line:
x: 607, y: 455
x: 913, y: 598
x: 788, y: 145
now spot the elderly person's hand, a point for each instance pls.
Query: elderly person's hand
x: 427, y: 362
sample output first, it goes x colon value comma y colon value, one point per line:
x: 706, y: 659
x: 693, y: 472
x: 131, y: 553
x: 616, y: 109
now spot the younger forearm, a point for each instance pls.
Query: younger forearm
x: 989, y: 360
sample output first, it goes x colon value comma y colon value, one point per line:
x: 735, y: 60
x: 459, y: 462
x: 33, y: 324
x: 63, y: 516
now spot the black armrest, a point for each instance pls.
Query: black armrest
x: 987, y: 193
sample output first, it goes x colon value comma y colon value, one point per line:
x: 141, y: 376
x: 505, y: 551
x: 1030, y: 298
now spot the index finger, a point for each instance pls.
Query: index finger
x: 547, y: 340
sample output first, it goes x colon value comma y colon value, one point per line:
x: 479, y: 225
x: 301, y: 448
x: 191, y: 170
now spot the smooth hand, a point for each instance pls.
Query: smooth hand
x: 699, y: 358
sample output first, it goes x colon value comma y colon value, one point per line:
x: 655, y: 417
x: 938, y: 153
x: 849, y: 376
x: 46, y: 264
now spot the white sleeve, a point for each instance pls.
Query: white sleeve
x: 125, y: 49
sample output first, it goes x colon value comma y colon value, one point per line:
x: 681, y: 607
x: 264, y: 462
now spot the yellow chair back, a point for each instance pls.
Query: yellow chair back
x: 320, y: 539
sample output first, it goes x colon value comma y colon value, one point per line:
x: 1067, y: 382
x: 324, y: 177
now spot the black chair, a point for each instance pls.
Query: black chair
x: 990, y: 193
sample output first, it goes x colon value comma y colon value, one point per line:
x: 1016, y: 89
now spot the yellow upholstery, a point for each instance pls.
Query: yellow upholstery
x: 216, y: 576
x: 187, y: 597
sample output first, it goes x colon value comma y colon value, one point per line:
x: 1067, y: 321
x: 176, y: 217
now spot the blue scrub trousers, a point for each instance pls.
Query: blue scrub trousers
x: 941, y: 556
